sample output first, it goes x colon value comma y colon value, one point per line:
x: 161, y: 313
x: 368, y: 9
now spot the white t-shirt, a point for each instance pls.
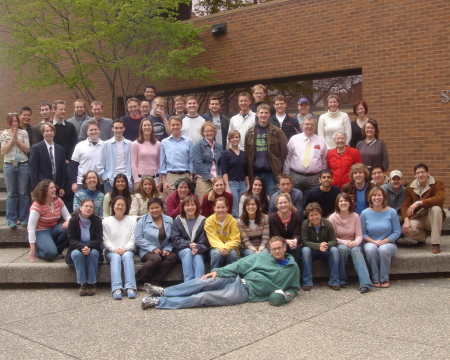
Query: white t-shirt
x: 120, y: 158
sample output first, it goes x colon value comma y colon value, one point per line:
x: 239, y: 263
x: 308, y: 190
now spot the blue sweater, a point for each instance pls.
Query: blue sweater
x: 380, y: 225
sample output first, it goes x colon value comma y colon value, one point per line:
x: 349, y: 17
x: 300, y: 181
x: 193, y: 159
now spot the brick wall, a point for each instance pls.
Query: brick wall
x: 401, y: 46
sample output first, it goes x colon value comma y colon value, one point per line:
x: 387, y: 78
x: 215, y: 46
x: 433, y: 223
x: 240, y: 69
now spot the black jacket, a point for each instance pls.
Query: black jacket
x: 290, y: 125
x: 224, y: 123
x: 40, y: 164
x: 74, y: 234
x: 182, y: 240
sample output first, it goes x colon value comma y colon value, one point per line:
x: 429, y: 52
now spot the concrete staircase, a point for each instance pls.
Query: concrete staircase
x: 15, y: 268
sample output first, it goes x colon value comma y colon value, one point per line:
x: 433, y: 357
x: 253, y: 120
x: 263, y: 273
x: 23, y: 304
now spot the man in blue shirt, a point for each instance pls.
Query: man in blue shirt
x: 285, y: 186
x: 177, y: 157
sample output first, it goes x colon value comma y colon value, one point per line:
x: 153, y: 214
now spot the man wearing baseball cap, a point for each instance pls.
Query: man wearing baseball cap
x: 395, y: 190
x: 303, y: 110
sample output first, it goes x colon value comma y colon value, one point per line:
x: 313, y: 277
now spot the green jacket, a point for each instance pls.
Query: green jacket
x: 264, y: 275
x: 326, y: 234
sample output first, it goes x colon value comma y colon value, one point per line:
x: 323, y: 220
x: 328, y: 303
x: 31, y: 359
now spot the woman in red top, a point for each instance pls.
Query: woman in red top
x: 341, y: 159
x: 47, y: 237
x: 218, y: 185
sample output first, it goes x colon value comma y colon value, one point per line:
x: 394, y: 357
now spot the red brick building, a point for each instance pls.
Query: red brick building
x: 400, y: 47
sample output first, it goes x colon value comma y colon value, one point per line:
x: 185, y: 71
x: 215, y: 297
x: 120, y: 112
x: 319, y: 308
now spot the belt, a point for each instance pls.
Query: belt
x: 15, y: 163
x: 303, y: 174
x: 244, y: 283
x: 178, y: 172
x: 153, y: 176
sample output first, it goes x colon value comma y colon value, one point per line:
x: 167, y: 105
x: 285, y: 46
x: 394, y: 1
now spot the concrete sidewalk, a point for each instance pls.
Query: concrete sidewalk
x: 409, y: 320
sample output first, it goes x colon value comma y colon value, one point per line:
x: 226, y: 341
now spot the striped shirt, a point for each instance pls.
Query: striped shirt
x: 254, y: 237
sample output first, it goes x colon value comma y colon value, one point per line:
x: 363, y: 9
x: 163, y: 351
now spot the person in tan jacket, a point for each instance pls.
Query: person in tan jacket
x: 422, y: 208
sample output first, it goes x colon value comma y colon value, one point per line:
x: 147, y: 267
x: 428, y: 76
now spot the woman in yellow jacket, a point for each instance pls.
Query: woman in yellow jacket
x: 223, y: 235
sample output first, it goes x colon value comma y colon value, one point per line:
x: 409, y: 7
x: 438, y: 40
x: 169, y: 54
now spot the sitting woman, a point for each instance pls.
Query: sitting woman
x: 85, y: 233
x: 347, y: 226
x: 182, y: 190
x: 254, y: 228
x: 223, y: 235
x: 218, y: 190
x: 90, y: 190
x: 287, y: 224
x: 46, y: 235
x: 189, y: 239
x: 120, y: 188
x: 145, y: 190
x: 118, y: 241
x: 319, y: 242
x: 258, y: 189
x: 153, y: 239
x: 381, y: 229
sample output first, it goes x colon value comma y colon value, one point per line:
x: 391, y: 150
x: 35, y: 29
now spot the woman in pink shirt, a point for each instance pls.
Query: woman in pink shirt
x: 347, y: 226
x: 46, y: 235
x: 145, y: 153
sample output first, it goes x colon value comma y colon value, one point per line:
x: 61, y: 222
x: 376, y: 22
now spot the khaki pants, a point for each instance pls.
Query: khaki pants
x: 202, y: 188
x: 172, y: 178
x: 431, y: 222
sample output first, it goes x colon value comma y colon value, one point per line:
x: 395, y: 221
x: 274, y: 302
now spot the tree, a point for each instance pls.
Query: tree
x: 208, y: 7
x: 74, y: 42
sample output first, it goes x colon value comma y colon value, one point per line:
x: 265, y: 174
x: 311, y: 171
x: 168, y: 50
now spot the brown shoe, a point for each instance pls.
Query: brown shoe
x: 91, y: 290
x: 307, y: 288
x: 83, y: 290
x: 435, y: 248
x: 335, y: 287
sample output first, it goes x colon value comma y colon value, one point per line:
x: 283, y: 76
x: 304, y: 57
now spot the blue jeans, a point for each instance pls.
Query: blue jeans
x: 379, y: 260
x: 332, y: 255
x: 197, y: 293
x: 270, y: 183
x: 358, y: 262
x: 237, y: 189
x: 17, y: 201
x: 193, y: 265
x: 85, y: 266
x: 248, y: 252
x: 50, y: 242
x: 217, y: 259
x: 116, y: 263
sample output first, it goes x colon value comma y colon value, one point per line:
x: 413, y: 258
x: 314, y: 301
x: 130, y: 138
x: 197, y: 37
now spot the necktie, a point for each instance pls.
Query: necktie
x: 53, y: 162
x: 307, y: 155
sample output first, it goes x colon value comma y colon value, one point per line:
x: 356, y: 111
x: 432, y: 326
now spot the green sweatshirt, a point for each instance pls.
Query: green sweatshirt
x: 326, y: 234
x: 264, y: 275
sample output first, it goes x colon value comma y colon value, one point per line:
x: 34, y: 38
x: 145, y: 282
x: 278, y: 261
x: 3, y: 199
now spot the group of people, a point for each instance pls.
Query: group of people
x: 189, y: 187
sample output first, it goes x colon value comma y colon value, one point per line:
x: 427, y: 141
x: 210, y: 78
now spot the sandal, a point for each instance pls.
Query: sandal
x: 377, y: 285
x: 385, y: 284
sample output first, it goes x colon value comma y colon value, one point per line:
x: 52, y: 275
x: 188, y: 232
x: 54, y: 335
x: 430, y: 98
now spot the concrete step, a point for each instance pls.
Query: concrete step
x: 15, y: 268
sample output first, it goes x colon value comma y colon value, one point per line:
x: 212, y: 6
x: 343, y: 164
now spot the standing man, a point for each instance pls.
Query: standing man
x: 325, y: 194
x: 161, y: 126
x: 145, y: 108
x: 132, y: 120
x: 66, y: 136
x: 245, y: 119
x: 25, y: 118
x: 45, y: 110
x: 273, y: 277
x: 307, y: 157
x: 221, y: 122
x: 303, y: 110
x: 359, y: 188
x: 395, y: 191
x: 177, y: 157
x: 47, y: 160
x: 265, y: 145
x: 115, y: 157
x: 192, y: 121
x: 287, y: 123
x: 104, y: 124
x: 285, y: 186
x: 79, y: 115
x: 85, y: 156
x: 422, y: 208
x: 259, y: 94
x: 150, y: 94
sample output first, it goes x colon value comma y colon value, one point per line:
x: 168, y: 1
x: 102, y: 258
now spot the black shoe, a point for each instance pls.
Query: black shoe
x: 59, y: 256
x: 343, y: 286
x: 364, y: 289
